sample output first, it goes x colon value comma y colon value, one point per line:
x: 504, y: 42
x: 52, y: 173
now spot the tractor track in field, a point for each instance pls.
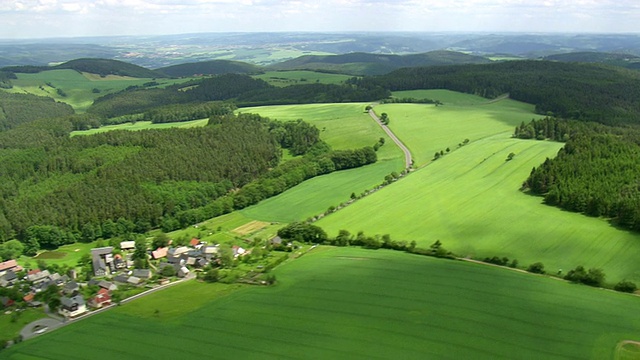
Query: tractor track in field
x: 408, y: 161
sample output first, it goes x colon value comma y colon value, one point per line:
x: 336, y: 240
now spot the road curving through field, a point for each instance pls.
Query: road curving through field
x: 408, y: 161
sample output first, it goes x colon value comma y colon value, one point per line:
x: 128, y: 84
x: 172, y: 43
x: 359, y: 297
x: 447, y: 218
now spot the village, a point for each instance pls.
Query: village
x: 109, y: 275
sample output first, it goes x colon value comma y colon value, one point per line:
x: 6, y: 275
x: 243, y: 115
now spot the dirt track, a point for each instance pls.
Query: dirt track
x: 407, y: 154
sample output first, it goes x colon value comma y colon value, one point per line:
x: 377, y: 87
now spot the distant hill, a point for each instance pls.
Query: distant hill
x: 213, y: 67
x: 623, y: 60
x: 102, y: 67
x: 376, y: 64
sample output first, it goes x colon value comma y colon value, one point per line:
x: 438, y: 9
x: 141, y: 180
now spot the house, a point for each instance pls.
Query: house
x: 122, y: 279
x: 6, y: 302
x: 195, y: 242
x: 276, y: 241
x: 101, y: 299
x: 142, y: 273
x: 159, y: 253
x: 108, y: 285
x: 134, y: 280
x: 238, y: 251
x: 127, y: 245
x: 70, y: 288
x: 8, y: 279
x: 175, y: 252
x: 38, y: 276
x: 72, y: 306
x: 182, y: 272
x: 9, y: 265
x: 118, y: 262
x: 29, y: 299
x: 102, y: 260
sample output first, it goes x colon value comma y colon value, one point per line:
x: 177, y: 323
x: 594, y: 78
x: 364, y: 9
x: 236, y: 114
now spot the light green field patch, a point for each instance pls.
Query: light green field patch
x: 298, y: 77
x: 343, y: 126
x: 362, y: 304
x: 143, y: 125
x: 425, y: 129
x: 11, y: 324
x: 469, y: 200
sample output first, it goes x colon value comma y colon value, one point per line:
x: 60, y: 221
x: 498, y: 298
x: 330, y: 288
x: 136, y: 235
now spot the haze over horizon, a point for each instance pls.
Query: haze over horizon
x: 26, y: 19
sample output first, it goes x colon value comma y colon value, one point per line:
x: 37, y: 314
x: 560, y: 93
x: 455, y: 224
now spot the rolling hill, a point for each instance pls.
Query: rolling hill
x: 375, y: 64
x: 213, y: 67
x: 616, y: 59
x: 102, y: 67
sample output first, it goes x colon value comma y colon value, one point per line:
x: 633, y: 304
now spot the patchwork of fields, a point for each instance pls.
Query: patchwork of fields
x: 343, y: 126
x: 357, y: 304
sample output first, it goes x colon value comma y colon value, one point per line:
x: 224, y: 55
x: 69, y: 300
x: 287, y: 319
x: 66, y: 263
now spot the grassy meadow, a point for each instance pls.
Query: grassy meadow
x: 343, y: 126
x: 297, y: 77
x: 143, y: 125
x: 425, y: 129
x: 346, y: 303
x: 78, y: 87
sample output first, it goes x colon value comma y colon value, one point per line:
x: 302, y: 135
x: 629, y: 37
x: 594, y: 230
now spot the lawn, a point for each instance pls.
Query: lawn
x: 343, y: 126
x: 297, y: 77
x: 64, y: 255
x: 143, y: 125
x: 358, y: 304
x: 10, y: 328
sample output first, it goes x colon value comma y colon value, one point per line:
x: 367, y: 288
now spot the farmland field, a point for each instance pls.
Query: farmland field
x: 143, y: 125
x: 343, y: 126
x: 426, y: 129
x: 286, y: 78
x: 78, y: 87
x: 358, y: 304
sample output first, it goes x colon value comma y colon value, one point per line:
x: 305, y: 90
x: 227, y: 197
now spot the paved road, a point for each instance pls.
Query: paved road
x: 407, y: 154
x: 49, y: 323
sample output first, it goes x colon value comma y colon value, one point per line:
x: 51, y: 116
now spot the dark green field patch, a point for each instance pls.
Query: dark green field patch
x: 329, y: 304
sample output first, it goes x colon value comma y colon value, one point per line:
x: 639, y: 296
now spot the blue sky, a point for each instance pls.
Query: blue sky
x: 66, y: 18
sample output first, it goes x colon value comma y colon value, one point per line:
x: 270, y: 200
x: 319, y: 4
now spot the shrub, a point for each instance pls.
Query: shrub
x: 625, y: 286
x: 536, y: 268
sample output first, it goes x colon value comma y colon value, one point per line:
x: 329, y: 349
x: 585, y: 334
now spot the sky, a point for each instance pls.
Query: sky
x: 74, y: 18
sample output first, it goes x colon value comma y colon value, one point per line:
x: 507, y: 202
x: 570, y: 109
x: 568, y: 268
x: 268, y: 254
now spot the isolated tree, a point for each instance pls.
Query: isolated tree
x: 159, y: 241
x: 625, y: 286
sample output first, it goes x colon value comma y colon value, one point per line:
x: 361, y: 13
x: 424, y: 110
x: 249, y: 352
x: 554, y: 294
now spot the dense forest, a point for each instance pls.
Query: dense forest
x: 213, y: 67
x: 579, y: 91
x: 16, y: 109
x: 57, y: 189
x: 597, y: 172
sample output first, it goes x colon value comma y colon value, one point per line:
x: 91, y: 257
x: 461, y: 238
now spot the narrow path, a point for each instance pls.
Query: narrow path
x: 407, y: 154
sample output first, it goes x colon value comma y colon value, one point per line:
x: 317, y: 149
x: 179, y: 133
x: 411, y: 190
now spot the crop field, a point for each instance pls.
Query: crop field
x: 343, y: 126
x: 469, y: 200
x: 143, y: 125
x: 296, y: 77
x: 358, y: 304
x: 426, y: 129
x: 78, y: 88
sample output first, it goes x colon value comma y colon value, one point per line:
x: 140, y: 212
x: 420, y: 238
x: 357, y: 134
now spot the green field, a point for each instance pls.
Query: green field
x: 64, y: 255
x: 343, y: 126
x: 78, y: 87
x: 425, y: 129
x: 143, y: 125
x: 11, y: 324
x: 358, y: 304
x: 297, y: 77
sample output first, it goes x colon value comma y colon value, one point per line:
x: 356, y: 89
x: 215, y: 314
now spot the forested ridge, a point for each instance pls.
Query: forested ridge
x: 597, y: 172
x: 16, y: 109
x: 243, y: 90
x: 587, y: 92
